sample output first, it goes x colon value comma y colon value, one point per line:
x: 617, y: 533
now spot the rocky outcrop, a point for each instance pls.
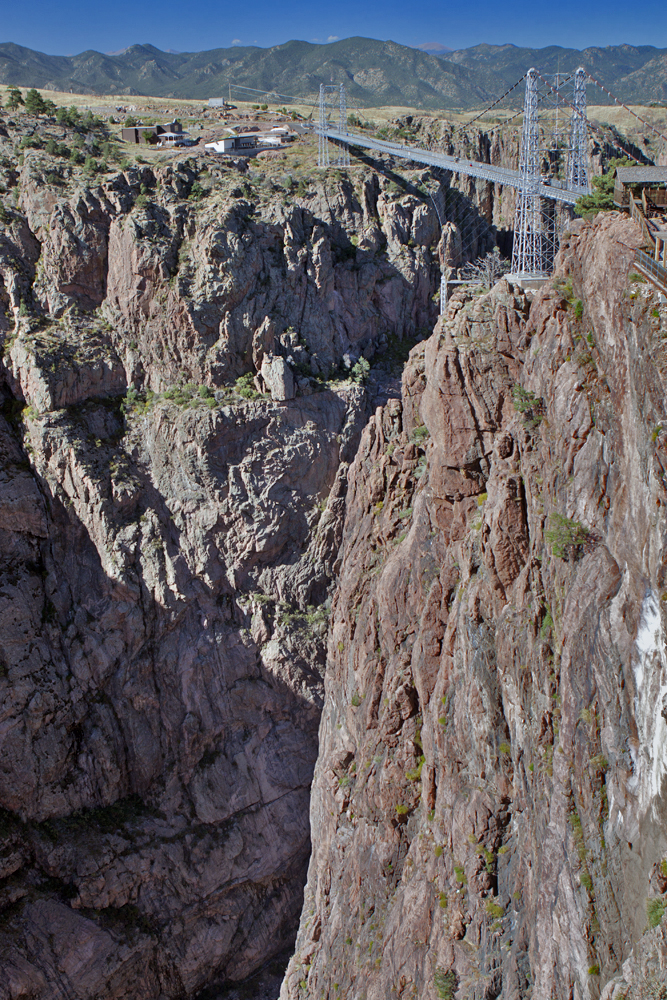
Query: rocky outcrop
x: 488, y: 812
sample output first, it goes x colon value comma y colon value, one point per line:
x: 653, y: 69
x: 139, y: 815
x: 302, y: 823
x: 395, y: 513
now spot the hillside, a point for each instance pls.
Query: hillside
x: 636, y: 74
x: 375, y: 72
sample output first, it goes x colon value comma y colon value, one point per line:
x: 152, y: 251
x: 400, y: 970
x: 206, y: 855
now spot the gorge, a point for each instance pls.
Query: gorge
x: 264, y: 515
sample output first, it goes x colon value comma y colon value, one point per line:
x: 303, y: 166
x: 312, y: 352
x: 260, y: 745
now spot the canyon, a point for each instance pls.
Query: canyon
x: 266, y: 520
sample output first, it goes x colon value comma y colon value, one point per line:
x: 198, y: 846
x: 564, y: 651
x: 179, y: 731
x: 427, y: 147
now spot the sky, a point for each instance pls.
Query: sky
x: 72, y: 26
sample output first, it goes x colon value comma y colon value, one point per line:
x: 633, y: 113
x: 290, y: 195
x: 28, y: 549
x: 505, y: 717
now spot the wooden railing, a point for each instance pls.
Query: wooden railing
x: 639, y: 217
x: 656, y: 273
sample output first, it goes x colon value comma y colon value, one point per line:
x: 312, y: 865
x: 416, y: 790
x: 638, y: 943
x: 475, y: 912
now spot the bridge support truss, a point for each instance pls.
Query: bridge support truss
x: 327, y: 110
x: 554, y: 141
x: 527, y: 246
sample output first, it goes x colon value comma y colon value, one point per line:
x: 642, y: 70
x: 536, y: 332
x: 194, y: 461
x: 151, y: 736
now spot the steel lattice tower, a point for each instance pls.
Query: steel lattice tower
x: 344, y: 157
x: 527, y: 256
x: 323, y: 142
x: 577, y: 166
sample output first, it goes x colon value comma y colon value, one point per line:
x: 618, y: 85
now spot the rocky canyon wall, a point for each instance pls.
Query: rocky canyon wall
x: 488, y: 810
x: 177, y: 422
x: 208, y: 498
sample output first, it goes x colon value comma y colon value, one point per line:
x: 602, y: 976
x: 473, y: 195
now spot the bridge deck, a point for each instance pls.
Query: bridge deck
x: 457, y: 164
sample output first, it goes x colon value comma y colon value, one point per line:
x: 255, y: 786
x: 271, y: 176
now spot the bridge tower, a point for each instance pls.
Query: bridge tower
x: 527, y: 254
x: 344, y: 155
x: 322, y: 141
x: 577, y: 166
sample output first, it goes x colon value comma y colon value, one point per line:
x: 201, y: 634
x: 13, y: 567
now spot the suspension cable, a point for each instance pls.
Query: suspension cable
x: 491, y: 106
x: 594, y: 127
x: 629, y: 110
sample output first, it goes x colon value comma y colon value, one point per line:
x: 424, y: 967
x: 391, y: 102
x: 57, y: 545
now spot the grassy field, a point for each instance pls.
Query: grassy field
x: 205, y: 123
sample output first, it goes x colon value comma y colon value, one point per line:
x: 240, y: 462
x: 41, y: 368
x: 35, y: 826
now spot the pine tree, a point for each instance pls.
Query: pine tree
x: 14, y: 98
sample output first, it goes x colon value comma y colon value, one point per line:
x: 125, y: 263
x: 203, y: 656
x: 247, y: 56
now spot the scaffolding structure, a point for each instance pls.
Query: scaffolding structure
x: 554, y: 152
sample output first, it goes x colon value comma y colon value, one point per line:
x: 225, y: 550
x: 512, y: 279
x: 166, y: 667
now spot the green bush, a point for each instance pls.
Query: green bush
x: 445, y: 983
x: 68, y: 116
x: 565, y: 536
x: 360, y: 371
x: 601, y: 198
x: 245, y: 387
x: 460, y: 875
x: 655, y: 911
x: 494, y: 909
x: 415, y: 773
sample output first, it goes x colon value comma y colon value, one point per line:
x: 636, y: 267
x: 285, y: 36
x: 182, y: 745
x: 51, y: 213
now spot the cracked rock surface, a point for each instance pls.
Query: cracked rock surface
x: 488, y: 810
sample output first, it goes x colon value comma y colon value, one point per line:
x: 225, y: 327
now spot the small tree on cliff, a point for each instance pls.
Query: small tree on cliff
x: 601, y: 199
x: 14, y: 98
x: 485, y: 271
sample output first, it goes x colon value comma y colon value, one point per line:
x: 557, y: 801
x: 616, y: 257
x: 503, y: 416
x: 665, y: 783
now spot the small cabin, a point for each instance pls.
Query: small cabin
x: 646, y: 184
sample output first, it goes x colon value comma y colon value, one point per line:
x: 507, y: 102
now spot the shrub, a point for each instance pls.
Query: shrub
x: 445, y: 983
x: 360, y: 371
x: 655, y: 911
x: 578, y: 309
x: 601, y: 198
x: 460, y: 875
x: 196, y: 192
x: 245, y: 386
x: 494, y: 909
x: 68, y: 116
x: 528, y: 404
x: 565, y: 537
x: 415, y: 773
x: 420, y: 434
x: 355, y: 700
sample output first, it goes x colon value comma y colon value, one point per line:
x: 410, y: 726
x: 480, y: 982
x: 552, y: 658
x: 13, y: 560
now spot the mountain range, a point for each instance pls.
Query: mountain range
x: 375, y: 72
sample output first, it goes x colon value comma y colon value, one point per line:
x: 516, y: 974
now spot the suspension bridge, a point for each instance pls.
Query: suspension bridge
x: 553, y: 171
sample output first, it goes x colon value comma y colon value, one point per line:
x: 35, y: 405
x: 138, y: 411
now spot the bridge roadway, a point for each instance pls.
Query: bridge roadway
x: 457, y: 164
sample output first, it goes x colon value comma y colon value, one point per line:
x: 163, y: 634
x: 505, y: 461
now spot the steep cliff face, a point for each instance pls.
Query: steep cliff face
x: 171, y: 506
x: 488, y: 810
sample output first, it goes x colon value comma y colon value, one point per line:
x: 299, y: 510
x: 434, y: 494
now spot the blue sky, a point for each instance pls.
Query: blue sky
x: 71, y: 26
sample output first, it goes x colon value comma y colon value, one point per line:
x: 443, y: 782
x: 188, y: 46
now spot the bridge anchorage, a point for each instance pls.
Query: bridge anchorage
x: 553, y: 161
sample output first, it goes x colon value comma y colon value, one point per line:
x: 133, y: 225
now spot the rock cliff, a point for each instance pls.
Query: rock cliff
x: 180, y: 405
x: 488, y: 810
x: 210, y: 491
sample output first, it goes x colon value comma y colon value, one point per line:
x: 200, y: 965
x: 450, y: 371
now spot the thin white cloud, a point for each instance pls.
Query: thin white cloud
x: 332, y: 38
x: 236, y: 41
x: 316, y: 39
